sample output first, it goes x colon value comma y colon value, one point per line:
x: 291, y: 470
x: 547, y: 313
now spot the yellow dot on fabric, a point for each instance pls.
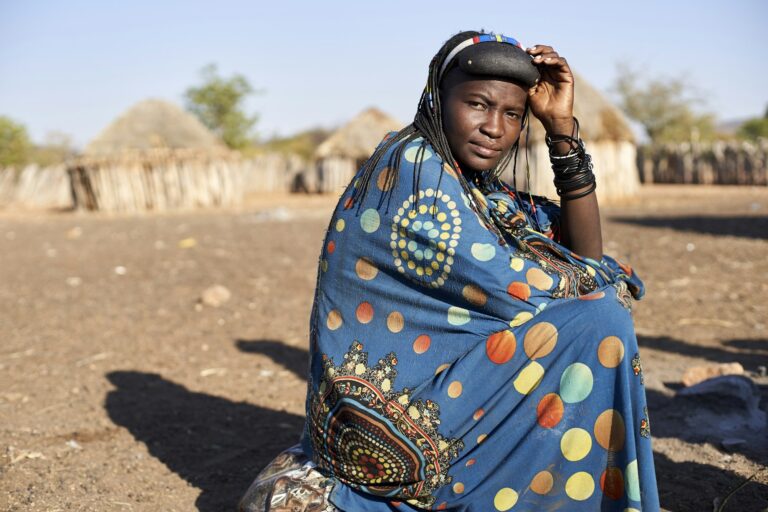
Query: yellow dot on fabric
x: 481, y: 438
x: 580, y: 486
x: 517, y: 264
x: 414, y: 152
x: 365, y: 269
x: 395, y: 322
x: 539, y: 279
x: 520, y: 319
x: 540, y: 340
x: 454, y: 389
x: 457, y: 316
x: 340, y: 225
x: 474, y: 295
x: 576, y: 383
x: 632, y: 481
x: 505, y: 499
x: 575, y: 444
x: 334, y: 320
x: 442, y: 367
x: 483, y: 252
x: 610, y: 431
x: 458, y: 487
x: 542, y: 482
x: 610, y: 352
x: 529, y: 378
x: 370, y: 220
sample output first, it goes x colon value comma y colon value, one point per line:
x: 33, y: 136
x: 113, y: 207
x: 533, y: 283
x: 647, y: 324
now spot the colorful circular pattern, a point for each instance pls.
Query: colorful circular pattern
x: 610, y: 352
x: 575, y: 444
x: 540, y: 340
x: 610, y: 431
x: 580, y: 486
x: 542, y: 483
x: 425, y: 234
x: 505, y: 499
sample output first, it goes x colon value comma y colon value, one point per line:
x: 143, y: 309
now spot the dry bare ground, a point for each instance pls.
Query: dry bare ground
x: 119, y: 393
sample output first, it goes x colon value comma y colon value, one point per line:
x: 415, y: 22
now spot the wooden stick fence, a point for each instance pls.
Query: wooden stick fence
x: 718, y: 163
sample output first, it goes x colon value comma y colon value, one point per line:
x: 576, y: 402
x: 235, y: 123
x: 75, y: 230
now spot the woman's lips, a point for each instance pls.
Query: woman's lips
x: 484, y: 151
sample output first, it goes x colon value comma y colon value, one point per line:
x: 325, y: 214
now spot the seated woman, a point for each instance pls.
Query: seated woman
x: 471, y: 347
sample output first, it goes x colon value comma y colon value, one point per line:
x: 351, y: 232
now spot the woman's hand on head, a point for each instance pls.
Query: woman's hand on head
x: 551, y: 99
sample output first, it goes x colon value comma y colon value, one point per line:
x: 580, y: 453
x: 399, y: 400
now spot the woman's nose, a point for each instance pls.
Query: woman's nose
x: 493, y: 125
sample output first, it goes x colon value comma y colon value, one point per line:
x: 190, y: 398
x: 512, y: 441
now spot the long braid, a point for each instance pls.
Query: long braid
x: 428, y: 125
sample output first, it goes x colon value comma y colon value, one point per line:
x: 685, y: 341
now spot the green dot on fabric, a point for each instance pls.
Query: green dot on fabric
x: 576, y: 383
x: 369, y: 220
x: 457, y: 316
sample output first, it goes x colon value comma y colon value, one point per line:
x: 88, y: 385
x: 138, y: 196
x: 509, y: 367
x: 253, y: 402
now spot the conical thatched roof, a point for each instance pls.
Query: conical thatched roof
x: 599, y: 119
x: 359, y: 137
x: 153, y: 124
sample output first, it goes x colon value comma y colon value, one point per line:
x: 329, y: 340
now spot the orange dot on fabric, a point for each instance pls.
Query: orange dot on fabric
x: 395, y: 322
x: 550, y: 410
x: 474, y: 295
x: 593, y: 296
x: 334, y: 320
x: 610, y: 352
x: 478, y: 414
x: 442, y: 506
x: 610, y: 431
x: 331, y: 247
x: 365, y: 269
x: 470, y: 462
x: 442, y: 367
x: 364, y: 312
x: 421, y: 344
x: 348, y: 202
x: 481, y: 438
x: 519, y: 290
x: 454, y: 389
x: 458, y: 487
x: 384, y: 179
x: 500, y: 346
x: 612, y: 483
x: 540, y: 340
x: 542, y: 482
x: 539, y: 279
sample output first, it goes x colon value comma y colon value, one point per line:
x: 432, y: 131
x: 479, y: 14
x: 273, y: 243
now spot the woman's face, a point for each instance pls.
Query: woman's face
x: 482, y: 118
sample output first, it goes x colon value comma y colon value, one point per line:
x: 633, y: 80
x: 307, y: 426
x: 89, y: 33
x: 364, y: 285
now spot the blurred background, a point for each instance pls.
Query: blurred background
x: 167, y: 171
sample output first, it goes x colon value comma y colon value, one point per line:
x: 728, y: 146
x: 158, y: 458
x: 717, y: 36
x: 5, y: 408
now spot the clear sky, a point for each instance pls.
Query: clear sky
x: 75, y: 65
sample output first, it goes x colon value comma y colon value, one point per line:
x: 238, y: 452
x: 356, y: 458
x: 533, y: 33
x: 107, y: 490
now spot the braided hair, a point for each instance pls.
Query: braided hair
x: 428, y: 125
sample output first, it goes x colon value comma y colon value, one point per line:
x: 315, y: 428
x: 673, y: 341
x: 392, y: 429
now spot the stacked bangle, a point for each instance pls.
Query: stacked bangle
x: 573, y: 171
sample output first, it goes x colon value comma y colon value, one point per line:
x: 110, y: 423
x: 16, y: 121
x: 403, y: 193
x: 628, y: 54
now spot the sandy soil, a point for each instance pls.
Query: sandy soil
x: 119, y: 393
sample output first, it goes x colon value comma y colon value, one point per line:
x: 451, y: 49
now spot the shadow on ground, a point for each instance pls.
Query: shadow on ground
x: 746, y: 226
x: 703, y: 484
x: 291, y: 358
x: 215, y: 444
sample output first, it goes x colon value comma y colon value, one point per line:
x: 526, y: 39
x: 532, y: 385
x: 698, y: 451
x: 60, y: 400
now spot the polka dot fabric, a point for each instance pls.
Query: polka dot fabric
x: 450, y: 371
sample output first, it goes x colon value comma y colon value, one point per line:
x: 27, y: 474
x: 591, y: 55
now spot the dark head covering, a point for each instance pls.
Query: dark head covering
x: 492, y: 55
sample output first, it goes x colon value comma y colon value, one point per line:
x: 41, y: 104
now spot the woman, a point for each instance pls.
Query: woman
x: 471, y: 348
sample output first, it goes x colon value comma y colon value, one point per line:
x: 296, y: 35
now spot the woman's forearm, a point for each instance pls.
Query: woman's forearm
x: 580, y: 225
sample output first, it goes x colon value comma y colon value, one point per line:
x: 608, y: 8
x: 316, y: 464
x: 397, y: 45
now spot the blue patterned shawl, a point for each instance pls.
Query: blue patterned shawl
x: 451, y: 370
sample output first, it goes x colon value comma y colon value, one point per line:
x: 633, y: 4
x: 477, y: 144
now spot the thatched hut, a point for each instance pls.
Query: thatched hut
x: 609, y: 141
x: 153, y: 124
x: 155, y: 157
x: 340, y: 155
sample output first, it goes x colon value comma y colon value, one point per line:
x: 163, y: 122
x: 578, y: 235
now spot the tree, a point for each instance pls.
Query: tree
x: 663, y: 106
x: 14, y: 143
x: 218, y: 103
x: 755, y: 128
x: 56, y: 149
